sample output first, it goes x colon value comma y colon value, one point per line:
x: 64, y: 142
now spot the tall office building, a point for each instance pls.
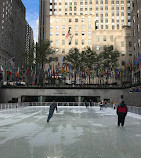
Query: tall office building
x: 136, y: 40
x: 93, y: 23
x: 12, y: 30
x: 29, y: 38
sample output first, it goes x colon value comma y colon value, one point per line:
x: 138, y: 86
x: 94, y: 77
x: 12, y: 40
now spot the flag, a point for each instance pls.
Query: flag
x: 18, y: 73
x: 68, y: 34
x: 53, y: 71
x: 27, y: 72
x: 88, y: 71
x: 66, y: 70
x: 1, y: 68
x: 35, y: 68
x: 107, y: 72
x: 62, y: 71
x: 47, y: 75
x: 12, y: 64
x: 138, y: 59
x: 116, y: 72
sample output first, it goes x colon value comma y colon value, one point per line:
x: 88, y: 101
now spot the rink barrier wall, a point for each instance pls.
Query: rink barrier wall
x: 18, y: 105
x: 132, y: 109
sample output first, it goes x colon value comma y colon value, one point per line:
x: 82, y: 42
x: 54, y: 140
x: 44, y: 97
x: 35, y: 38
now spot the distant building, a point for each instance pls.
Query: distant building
x: 12, y: 30
x: 29, y: 38
x: 93, y: 23
x: 136, y: 40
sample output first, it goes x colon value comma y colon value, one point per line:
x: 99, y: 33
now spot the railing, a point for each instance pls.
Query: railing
x: 17, y: 105
x: 132, y: 109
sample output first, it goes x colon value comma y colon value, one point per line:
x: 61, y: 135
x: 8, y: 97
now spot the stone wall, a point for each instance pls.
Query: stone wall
x: 113, y: 94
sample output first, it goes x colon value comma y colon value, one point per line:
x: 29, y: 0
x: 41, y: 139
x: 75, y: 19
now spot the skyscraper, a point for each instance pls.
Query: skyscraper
x: 12, y: 29
x: 136, y: 41
x: 93, y: 23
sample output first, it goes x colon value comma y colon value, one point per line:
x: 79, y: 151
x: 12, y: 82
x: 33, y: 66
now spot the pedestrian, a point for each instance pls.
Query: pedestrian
x: 86, y: 103
x: 53, y: 106
x: 91, y: 103
x: 105, y: 104
x: 101, y: 105
x: 121, y: 112
x: 114, y: 106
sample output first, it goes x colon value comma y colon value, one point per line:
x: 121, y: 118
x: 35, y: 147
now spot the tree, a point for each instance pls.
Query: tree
x: 73, y: 59
x: 108, y: 58
x: 89, y: 60
x: 44, y: 55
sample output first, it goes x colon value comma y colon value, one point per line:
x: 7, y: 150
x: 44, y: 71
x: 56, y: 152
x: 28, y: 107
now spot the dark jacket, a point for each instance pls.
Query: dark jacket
x: 122, y: 108
x: 53, y: 106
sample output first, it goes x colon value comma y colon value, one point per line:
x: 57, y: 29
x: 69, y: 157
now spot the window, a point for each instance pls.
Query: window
x: 76, y: 42
x: 98, y: 47
x: 63, y: 51
x: 130, y: 44
x: 57, y: 42
x: 112, y: 38
x: 63, y: 27
x: 76, y: 33
x: 104, y: 38
x: 69, y: 20
x: 83, y: 26
x: 83, y: 33
x: 57, y: 33
x: 89, y: 33
x: 63, y: 42
x: 76, y: 20
x: 122, y: 44
x: 83, y: 42
x: 97, y: 38
x: 76, y: 27
x: 89, y: 42
x: 63, y: 33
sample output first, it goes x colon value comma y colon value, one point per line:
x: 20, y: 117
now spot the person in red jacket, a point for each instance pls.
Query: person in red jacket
x: 121, y: 112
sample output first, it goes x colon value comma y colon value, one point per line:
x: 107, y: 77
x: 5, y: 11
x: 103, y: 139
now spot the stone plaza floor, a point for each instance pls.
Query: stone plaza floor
x: 73, y: 132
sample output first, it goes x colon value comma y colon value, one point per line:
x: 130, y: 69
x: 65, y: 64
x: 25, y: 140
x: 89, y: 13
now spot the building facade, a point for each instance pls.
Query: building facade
x: 12, y: 30
x: 93, y: 23
x: 29, y: 38
x: 136, y: 40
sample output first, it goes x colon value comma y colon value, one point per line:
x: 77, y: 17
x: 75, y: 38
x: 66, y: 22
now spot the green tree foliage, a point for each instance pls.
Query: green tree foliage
x: 73, y: 58
x: 44, y: 53
x: 88, y: 58
x: 108, y: 58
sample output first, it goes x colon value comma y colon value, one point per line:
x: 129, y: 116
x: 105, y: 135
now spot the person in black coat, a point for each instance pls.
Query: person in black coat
x: 121, y: 112
x: 53, y: 106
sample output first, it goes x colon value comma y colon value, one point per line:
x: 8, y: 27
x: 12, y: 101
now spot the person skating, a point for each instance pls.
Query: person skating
x: 53, y: 106
x: 86, y: 103
x: 101, y: 105
x: 121, y: 112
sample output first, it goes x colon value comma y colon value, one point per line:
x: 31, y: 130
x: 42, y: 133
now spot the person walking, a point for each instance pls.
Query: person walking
x: 121, y: 112
x: 53, y: 106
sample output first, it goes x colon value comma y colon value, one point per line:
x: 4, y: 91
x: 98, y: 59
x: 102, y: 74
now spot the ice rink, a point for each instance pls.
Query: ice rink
x: 73, y: 132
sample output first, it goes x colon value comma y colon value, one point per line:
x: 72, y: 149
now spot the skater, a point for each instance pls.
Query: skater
x: 53, y: 106
x: 101, y: 105
x: 86, y: 103
x: 91, y: 103
x: 121, y: 112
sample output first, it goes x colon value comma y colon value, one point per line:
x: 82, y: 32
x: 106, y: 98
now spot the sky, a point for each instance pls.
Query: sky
x: 32, y: 13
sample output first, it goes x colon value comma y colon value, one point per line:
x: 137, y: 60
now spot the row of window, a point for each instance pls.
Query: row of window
x: 89, y: 41
x: 70, y: 42
x: 86, y: 2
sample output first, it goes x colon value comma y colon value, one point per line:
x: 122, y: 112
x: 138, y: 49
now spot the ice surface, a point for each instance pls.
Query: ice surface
x: 73, y: 132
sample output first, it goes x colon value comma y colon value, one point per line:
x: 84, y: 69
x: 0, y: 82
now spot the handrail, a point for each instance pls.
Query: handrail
x: 132, y: 109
